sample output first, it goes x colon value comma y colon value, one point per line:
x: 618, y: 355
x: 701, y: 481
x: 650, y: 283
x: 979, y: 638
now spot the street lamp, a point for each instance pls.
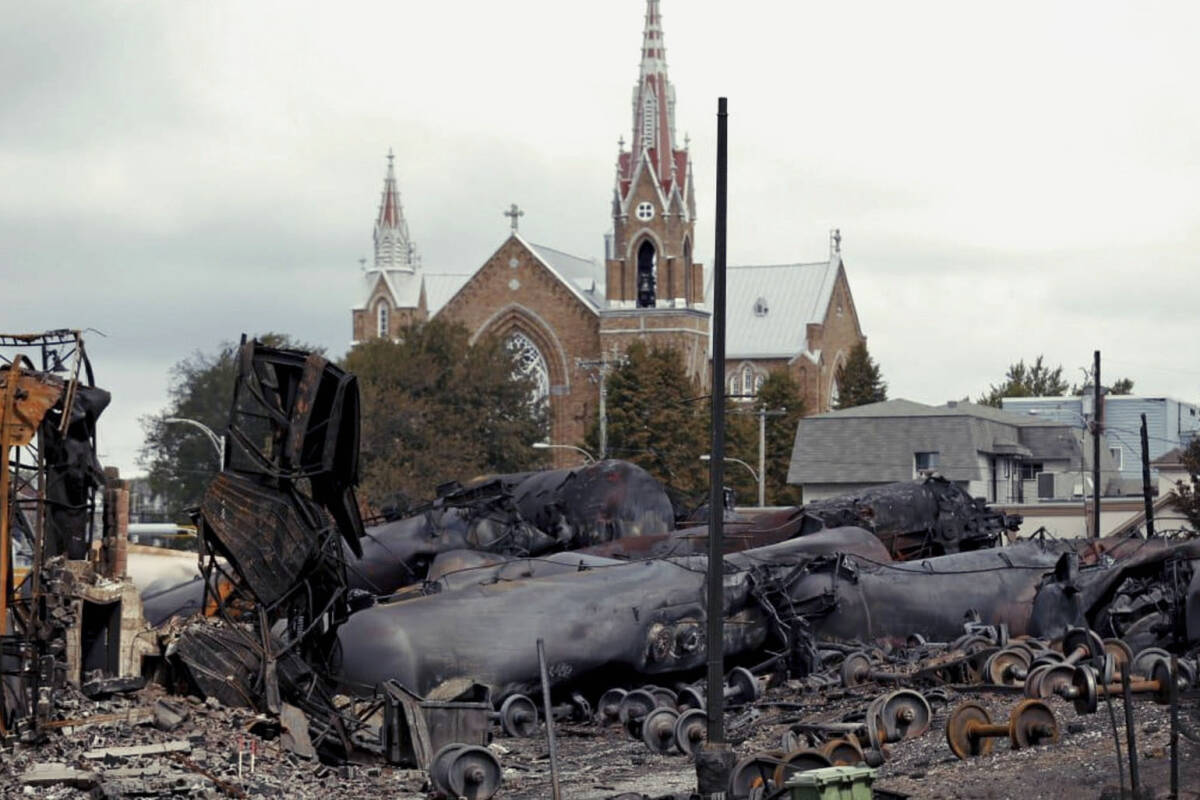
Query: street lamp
x: 753, y: 474
x: 590, y: 459
x: 218, y: 442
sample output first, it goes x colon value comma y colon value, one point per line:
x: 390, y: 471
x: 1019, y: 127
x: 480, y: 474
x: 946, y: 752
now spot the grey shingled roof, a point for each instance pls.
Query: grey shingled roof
x: 875, y: 443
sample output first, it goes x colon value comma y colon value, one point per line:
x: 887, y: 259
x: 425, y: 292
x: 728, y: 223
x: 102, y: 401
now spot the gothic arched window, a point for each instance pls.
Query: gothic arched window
x: 748, y: 380
x: 383, y: 319
x: 646, y: 278
x: 734, y: 385
x: 530, y: 363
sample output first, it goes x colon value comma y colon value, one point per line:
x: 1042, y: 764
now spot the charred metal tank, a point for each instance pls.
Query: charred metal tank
x: 649, y: 616
x: 644, y: 615
x: 915, y: 519
x: 528, y: 514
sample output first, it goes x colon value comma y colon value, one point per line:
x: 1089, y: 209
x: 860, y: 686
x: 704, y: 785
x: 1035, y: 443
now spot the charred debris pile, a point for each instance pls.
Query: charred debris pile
x: 411, y: 642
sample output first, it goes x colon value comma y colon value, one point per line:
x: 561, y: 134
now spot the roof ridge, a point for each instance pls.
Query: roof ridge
x: 779, y: 266
x: 562, y: 252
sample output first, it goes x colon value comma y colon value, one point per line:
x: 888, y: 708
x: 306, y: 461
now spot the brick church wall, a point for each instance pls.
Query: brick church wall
x: 513, y: 290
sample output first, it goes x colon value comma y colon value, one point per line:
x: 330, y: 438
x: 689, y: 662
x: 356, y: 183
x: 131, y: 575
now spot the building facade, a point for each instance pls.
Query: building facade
x: 1170, y: 424
x: 798, y: 317
x: 570, y: 318
x: 1001, y: 457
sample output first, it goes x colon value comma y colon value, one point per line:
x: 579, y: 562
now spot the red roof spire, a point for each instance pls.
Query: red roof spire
x: 654, y: 98
x: 653, y: 115
x: 393, y: 248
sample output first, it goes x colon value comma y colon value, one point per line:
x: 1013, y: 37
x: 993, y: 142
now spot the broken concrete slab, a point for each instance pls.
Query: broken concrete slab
x: 295, y: 732
x: 177, y: 746
x: 168, y: 716
x: 49, y: 774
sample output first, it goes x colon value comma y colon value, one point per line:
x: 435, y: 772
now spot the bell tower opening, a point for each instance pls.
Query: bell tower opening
x: 646, y: 280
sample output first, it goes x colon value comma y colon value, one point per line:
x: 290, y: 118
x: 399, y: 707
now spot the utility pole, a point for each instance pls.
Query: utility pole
x: 1097, y: 431
x: 1147, y: 492
x: 762, y: 413
x: 762, y: 456
x: 762, y: 450
x: 715, y: 759
x: 599, y: 369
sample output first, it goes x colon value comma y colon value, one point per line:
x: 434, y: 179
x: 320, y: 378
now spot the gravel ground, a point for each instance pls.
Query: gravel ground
x: 596, y: 762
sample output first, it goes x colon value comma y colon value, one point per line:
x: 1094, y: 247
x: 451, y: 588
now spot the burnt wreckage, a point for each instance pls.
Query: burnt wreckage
x: 275, y: 528
x: 589, y: 560
x: 68, y: 615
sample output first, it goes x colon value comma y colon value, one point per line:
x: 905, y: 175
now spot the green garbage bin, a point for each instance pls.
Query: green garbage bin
x: 832, y: 783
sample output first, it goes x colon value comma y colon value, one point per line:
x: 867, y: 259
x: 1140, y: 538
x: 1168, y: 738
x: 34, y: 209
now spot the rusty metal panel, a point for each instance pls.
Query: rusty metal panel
x: 263, y: 532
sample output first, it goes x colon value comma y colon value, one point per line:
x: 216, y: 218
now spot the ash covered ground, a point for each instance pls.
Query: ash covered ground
x: 596, y: 761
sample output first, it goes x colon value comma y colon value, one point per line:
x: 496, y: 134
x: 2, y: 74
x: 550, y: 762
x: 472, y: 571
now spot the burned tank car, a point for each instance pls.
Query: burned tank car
x: 915, y: 519
x: 522, y: 514
x: 597, y: 503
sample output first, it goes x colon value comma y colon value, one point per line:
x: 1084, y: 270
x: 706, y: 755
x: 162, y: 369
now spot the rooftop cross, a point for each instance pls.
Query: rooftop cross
x: 514, y: 213
x: 835, y: 241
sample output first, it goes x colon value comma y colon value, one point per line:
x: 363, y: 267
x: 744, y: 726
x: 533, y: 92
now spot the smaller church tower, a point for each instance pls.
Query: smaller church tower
x: 393, y: 287
x: 394, y: 249
x: 652, y: 282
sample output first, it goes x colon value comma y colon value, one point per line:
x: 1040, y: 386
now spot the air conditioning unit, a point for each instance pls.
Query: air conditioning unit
x: 1057, y: 485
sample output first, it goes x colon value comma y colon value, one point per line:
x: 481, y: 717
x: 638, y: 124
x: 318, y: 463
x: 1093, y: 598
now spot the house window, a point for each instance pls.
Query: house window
x: 758, y: 382
x: 383, y: 313
x: 925, y: 461
x: 1030, y: 470
x: 747, y: 380
x: 760, y: 307
x: 1118, y: 455
x: 734, y: 386
x: 645, y: 211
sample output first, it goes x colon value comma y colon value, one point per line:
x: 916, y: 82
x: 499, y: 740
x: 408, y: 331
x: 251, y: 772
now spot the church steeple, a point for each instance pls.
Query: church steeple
x: 654, y: 209
x: 393, y: 247
x: 654, y: 98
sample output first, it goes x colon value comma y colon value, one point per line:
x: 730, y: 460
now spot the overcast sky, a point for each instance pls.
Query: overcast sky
x: 1010, y: 179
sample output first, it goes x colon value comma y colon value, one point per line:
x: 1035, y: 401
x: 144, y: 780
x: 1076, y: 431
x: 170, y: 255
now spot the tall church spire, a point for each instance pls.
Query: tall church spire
x: 649, y: 254
x: 393, y: 247
x: 654, y: 98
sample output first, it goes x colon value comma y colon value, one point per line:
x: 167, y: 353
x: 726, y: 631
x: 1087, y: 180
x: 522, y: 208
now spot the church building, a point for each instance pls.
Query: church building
x: 570, y: 318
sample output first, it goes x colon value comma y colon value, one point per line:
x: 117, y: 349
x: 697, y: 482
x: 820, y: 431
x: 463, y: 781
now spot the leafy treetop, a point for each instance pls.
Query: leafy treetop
x: 859, y: 380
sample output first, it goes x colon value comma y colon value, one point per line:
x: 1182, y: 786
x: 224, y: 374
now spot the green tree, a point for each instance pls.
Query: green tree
x: 1187, y: 492
x: 859, y: 380
x: 779, y: 392
x: 657, y: 419
x: 179, y: 458
x: 1120, y: 386
x: 1035, y: 380
x: 436, y: 408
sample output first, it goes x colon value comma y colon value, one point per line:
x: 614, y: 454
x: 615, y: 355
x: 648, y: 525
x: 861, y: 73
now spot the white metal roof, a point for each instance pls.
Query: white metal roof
x: 794, y: 296
x: 584, y: 273
x: 440, y: 287
x: 404, y: 285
